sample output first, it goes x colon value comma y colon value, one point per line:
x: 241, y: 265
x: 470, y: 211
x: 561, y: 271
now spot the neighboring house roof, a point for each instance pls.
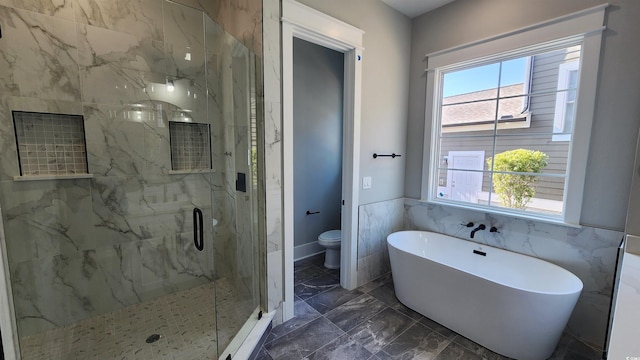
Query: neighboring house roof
x: 465, y: 113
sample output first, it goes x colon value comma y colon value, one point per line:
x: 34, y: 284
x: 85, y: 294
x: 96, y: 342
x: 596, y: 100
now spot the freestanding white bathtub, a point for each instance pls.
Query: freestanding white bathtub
x: 513, y: 304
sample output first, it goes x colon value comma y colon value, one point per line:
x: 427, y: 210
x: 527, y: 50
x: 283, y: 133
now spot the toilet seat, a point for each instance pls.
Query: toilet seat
x: 331, y: 237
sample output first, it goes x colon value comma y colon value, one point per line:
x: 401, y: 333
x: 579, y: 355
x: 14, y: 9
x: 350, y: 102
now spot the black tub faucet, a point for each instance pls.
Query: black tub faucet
x: 480, y: 227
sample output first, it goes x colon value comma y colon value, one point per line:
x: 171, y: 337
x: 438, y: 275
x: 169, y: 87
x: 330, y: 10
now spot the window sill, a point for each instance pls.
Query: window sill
x: 52, y: 177
x: 504, y: 212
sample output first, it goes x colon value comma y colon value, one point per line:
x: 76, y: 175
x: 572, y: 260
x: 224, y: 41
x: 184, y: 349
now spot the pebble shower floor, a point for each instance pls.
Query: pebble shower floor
x: 185, y: 321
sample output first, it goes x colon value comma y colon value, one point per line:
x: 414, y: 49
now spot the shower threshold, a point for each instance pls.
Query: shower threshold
x: 182, y: 325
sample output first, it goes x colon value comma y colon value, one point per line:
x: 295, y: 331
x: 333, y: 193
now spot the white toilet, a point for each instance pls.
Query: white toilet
x: 331, y: 240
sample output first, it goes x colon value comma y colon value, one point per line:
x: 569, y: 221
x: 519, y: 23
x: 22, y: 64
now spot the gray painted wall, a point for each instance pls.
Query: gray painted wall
x: 385, y: 86
x: 617, y: 116
x: 317, y: 126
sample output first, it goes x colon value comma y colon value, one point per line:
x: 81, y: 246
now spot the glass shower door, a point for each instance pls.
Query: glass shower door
x: 192, y: 141
x: 231, y: 80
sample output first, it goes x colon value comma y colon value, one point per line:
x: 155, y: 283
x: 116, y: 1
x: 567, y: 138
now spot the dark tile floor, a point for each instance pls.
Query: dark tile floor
x: 369, y: 323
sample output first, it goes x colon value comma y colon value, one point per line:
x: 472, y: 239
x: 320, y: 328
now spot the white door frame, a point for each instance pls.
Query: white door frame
x: 303, y: 22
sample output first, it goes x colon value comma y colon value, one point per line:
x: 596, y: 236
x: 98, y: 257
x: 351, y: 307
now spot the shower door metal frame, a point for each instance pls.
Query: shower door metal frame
x: 8, y: 326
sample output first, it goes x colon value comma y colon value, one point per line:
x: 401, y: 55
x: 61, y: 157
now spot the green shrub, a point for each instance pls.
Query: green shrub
x: 516, y: 190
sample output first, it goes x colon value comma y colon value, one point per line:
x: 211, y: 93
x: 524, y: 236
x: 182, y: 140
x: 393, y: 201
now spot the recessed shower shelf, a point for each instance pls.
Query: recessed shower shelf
x: 52, y: 177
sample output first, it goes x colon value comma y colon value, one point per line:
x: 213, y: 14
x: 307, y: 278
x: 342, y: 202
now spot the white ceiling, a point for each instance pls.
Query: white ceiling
x: 413, y: 8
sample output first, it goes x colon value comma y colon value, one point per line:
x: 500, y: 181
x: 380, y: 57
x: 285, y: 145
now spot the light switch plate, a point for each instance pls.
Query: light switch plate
x: 366, y: 182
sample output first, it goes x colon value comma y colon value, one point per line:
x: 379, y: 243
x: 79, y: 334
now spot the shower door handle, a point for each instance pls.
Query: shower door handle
x: 198, y: 233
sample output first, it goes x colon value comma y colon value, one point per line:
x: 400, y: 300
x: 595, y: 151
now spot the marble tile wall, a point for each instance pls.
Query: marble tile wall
x: 375, y: 222
x: 273, y: 158
x: 83, y: 247
x: 589, y: 253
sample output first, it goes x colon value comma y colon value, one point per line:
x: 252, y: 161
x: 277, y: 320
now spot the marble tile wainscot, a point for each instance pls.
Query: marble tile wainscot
x: 375, y: 222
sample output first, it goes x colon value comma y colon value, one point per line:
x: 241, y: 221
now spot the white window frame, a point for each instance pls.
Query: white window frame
x: 585, y: 27
x: 526, y: 101
x: 560, y: 116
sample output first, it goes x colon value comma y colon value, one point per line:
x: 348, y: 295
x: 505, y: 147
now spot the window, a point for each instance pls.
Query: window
x: 494, y: 115
x: 472, y: 99
x: 505, y: 113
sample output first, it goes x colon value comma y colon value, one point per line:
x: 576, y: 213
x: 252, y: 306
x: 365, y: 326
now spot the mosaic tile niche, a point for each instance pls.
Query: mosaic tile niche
x: 50, y: 144
x: 190, y: 146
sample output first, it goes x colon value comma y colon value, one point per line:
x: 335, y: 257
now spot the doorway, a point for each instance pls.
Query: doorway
x: 317, y: 129
x: 302, y: 22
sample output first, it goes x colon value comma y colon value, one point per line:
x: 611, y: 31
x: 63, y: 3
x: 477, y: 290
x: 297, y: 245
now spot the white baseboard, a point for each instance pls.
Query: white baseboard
x: 306, y: 250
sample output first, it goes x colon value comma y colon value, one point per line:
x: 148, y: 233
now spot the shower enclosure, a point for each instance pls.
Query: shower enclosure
x: 129, y: 185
